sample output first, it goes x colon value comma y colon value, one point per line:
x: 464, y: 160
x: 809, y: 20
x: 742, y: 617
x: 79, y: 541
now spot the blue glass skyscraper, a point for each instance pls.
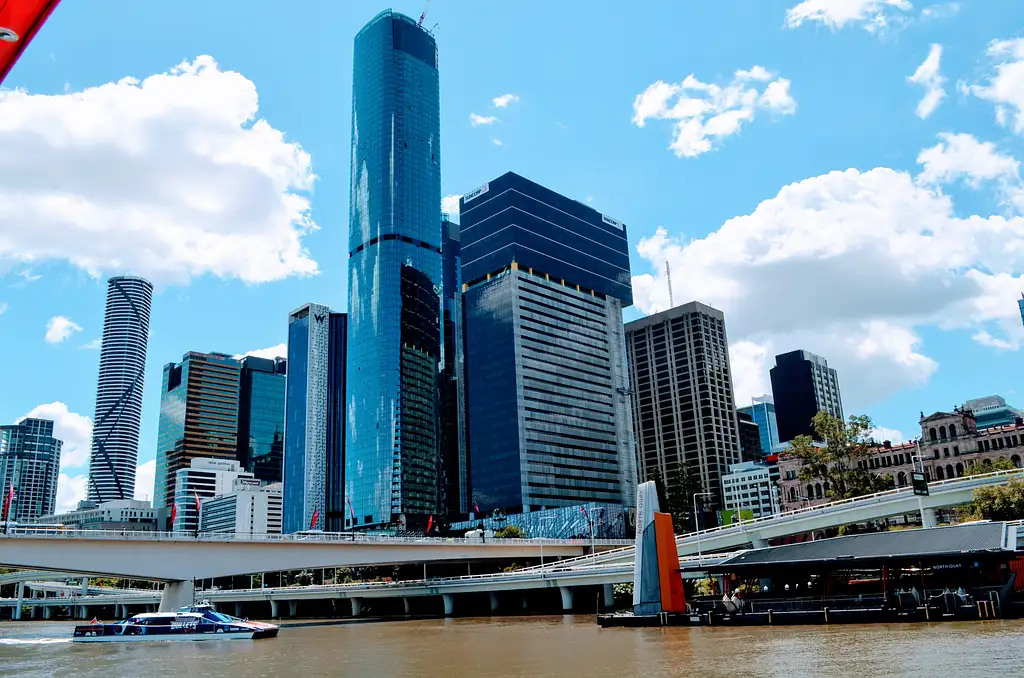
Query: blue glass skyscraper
x: 453, y: 430
x: 393, y: 469
x: 261, y: 417
x: 762, y: 410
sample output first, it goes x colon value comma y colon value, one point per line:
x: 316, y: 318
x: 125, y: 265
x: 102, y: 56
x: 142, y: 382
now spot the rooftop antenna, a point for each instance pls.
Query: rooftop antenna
x: 668, y: 277
x: 424, y: 15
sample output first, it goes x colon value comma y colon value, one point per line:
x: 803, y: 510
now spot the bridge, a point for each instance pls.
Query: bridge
x: 178, y: 560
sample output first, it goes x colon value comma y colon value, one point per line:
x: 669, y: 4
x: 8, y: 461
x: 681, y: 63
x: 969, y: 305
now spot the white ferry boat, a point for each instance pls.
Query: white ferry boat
x: 194, y: 622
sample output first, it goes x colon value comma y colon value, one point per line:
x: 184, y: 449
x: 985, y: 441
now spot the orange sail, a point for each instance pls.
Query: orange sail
x: 20, y: 21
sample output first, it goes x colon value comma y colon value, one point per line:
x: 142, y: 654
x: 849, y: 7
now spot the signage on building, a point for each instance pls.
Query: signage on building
x: 476, y: 193
x: 920, y: 483
x: 249, y: 482
x: 612, y: 222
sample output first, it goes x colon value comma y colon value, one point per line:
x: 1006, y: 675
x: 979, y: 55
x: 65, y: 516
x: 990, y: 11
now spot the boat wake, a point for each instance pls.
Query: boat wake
x: 33, y: 641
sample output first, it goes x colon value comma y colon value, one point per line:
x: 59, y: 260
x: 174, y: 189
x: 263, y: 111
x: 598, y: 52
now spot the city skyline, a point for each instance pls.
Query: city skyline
x: 207, y: 287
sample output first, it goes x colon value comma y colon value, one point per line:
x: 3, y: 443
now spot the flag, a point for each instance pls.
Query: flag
x: 476, y: 508
x: 584, y: 509
x: 316, y: 516
x: 351, y: 509
x: 430, y: 524
x: 198, y: 511
x: 174, y: 513
x: 7, y: 503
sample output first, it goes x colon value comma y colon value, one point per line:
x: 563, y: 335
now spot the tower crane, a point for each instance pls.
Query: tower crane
x: 424, y: 15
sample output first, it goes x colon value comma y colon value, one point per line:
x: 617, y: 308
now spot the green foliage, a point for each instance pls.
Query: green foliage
x: 835, y: 463
x: 659, y: 486
x: 109, y: 582
x: 988, y: 466
x: 680, y: 494
x: 996, y: 502
x: 510, y: 532
x: 623, y: 590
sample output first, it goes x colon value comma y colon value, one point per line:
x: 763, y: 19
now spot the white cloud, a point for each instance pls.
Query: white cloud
x: 450, y: 204
x: 171, y: 177
x: 278, y: 351
x: 881, y: 433
x: 60, y: 328
x: 1005, y: 88
x: 505, y: 99
x: 940, y: 11
x: 73, y: 428
x: 144, y: 474
x: 963, y: 157
x: 927, y: 75
x: 70, y: 491
x: 93, y: 345
x: 874, y: 15
x: 496, y: 141
x: 862, y: 260
x: 3, y: 307
x: 477, y: 120
x: 706, y: 113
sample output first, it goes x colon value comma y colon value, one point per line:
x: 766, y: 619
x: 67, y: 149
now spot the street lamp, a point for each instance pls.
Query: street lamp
x: 543, y: 519
x: 696, y: 517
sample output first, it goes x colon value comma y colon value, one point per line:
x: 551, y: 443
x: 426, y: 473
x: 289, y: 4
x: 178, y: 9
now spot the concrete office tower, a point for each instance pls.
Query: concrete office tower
x: 314, y: 421
x: 683, y: 403
x: 545, y: 282
x: 115, y: 432
x: 198, y: 417
x: 803, y: 384
x: 393, y: 466
x: 30, y: 463
x: 261, y: 417
x: 202, y: 479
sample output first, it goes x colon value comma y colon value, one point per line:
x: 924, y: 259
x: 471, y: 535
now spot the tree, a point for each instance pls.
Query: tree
x: 996, y: 502
x: 510, y: 532
x: 659, y: 486
x: 976, y: 468
x: 834, y: 460
x: 679, y: 497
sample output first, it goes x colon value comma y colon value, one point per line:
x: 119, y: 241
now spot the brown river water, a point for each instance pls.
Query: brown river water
x: 535, y: 646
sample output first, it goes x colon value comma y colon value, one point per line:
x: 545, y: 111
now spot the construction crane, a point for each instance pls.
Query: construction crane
x: 424, y: 15
x: 668, y: 277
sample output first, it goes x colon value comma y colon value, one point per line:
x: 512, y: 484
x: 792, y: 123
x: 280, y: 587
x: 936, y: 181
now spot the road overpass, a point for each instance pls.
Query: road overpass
x: 178, y: 560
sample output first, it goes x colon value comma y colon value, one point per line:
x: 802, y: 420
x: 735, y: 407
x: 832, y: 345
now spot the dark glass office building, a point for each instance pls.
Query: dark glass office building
x: 750, y: 437
x: 546, y: 279
x: 803, y: 384
x: 393, y: 467
x: 453, y: 432
x: 198, y: 417
x: 30, y: 463
x: 314, y: 421
x: 261, y: 417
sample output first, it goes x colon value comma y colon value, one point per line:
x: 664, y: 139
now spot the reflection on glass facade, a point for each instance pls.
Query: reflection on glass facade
x: 261, y: 417
x: 314, y: 428
x: 392, y: 468
x: 548, y: 421
x: 30, y: 463
x: 610, y: 521
x: 802, y: 385
x: 762, y: 410
x: 453, y: 432
x: 198, y: 417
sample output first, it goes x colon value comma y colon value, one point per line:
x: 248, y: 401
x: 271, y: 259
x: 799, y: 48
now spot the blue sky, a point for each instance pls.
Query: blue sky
x: 819, y: 170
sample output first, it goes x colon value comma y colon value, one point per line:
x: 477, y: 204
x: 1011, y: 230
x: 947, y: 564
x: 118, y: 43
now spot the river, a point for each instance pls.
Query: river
x: 534, y: 646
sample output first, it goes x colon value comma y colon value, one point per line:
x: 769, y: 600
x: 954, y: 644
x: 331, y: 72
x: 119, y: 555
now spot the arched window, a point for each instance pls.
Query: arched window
x: 959, y: 470
x: 939, y: 475
x: 824, y: 488
x: 931, y: 434
x: 817, y: 490
x: 792, y: 494
x: 949, y: 471
x: 901, y: 479
x: 942, y: 432
x: 952, y: 430
x: 1015, y: 460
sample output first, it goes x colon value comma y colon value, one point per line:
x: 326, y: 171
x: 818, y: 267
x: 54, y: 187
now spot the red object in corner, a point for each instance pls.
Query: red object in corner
x: 20, y: 21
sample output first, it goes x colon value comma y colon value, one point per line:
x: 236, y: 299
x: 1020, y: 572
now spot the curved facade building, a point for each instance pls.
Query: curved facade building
x: 392, y: 467
x: 115, y: 433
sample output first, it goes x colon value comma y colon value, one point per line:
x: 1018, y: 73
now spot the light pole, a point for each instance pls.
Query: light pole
x: 696, y: 518
x: 542, y: 520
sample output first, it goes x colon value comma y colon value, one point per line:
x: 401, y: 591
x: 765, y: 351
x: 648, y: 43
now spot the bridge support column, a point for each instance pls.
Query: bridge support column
x: 21, y: 601
x: 83, y: 612
x: 566, y: 598
x: 274, y: 612
x: 176, y: 594
x: 48, y: 612
x: 293, y: 608
x: 609, y: 596
x: 405, y: 601
x: 449, y: 604
x: 928, y: 518
x: 119, y: 611
x: 758, y: 543
x: 238, y: 609
x: 357, y: 606
x: 494, y: 602
x: 85, y: 586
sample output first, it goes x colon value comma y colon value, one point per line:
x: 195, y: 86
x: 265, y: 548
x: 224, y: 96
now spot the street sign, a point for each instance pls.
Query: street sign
x: 920, y: 482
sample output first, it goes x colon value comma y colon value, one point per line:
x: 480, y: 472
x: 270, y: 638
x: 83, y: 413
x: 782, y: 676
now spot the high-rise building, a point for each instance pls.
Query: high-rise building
x: 762, y: 411
x: 750, y: 437
x: 198, y: 417
x: 30, y: 463
x: 393, y: 467
x: 453, y: 430
x: 803, y: 384
x: 683, y: 402
x: 314, y: 425
x: 261, y: 417
x: 992, y: 411
x: 545, y: 281
x: 115, y: 430
x: 748, y: 487
x: 201, y: 479
x: 249, y: 508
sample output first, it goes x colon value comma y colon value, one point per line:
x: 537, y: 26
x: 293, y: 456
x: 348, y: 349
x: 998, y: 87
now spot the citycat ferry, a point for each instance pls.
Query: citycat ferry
x: 194, y: 622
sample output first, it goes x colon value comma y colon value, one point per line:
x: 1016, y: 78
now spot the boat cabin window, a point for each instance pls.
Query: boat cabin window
x: 216, y: 616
